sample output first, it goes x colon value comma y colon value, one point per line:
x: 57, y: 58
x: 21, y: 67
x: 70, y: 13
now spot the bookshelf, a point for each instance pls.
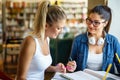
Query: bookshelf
x: 0, y: 21
x: 76, y: 14
x: 19, y: 15
x: 14, y: 19
x: 76, y: 11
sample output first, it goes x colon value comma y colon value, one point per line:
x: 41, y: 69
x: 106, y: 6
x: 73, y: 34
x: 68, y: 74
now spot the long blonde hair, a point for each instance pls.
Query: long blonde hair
x: 46, y: 13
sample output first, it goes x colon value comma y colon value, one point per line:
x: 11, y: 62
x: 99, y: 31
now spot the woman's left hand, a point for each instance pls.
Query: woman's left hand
x: 60, y: 68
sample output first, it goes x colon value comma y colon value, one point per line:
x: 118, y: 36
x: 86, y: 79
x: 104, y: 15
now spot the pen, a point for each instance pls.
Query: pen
x: 108, y: 69
x: 69, y: 67
x: 70, y: 59
x: 117, y: 57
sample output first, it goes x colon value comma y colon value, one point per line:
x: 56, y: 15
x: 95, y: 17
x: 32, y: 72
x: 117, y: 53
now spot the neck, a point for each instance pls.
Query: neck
x: 98, y: 35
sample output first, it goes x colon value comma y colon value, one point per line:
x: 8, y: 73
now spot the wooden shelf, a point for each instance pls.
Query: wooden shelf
x: 76, y: 11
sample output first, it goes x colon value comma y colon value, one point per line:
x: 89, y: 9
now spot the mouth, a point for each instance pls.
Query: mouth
x: 91, y: 29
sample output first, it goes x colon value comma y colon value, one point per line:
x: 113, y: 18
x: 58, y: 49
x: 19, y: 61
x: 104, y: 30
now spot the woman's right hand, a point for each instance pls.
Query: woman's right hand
x: 71, y: 66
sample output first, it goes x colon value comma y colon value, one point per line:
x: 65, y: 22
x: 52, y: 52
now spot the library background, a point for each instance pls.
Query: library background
x: 16, y: 19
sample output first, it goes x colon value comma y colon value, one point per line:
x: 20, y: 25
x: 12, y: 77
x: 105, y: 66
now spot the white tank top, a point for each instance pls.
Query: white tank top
x: 95, y: 61
x: 38, y: 64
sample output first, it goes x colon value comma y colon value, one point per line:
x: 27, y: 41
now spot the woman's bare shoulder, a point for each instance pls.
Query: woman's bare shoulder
x: 28, y: 45
x: 28, y: 42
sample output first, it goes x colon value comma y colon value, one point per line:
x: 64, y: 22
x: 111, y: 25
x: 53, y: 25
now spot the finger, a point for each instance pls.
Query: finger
x: 72, y: 63
x: 63, y: 69
x: 61, y: 66
x: 68, y: 67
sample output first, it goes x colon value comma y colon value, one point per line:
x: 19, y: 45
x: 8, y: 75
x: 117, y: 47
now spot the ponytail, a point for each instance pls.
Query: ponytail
x: 40, y: 19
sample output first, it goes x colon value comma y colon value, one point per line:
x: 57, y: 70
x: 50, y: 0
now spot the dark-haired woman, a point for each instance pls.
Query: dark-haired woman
x: 96, y: 49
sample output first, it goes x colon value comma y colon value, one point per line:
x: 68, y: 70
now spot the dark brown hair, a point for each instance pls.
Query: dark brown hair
x: 105, y: 13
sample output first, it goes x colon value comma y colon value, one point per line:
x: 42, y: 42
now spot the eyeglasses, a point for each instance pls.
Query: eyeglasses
x: 95, y: 23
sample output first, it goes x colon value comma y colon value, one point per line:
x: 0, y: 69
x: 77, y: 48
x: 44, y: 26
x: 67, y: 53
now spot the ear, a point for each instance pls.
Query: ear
x: 106, y: 22
x: 46, y: 25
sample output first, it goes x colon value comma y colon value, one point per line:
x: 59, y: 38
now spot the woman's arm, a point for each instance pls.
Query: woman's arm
x: 26, y: 54
x: 117, y: 51
x: 58, y: 68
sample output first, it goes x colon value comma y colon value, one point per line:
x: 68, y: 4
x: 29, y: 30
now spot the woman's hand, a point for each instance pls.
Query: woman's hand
x: 71, y: 66
x: 60, y: 68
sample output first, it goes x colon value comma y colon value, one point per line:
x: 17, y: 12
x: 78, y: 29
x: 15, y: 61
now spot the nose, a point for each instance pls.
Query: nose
x: 61, y: 30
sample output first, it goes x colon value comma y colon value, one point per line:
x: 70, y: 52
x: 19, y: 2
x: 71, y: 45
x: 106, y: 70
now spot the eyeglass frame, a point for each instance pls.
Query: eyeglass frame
x: 95, y: 23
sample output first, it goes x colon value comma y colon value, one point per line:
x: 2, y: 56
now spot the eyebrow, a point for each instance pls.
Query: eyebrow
x: 94, y: 20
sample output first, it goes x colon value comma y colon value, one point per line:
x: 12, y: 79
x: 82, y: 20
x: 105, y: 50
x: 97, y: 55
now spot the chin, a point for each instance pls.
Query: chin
x: 92, y: 31
x: 54, y: 37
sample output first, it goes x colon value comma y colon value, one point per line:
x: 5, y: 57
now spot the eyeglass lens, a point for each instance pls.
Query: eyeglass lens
x: 95, y: 23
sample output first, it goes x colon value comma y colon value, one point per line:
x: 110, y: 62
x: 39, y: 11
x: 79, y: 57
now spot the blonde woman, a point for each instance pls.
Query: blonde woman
x: 35, y: 55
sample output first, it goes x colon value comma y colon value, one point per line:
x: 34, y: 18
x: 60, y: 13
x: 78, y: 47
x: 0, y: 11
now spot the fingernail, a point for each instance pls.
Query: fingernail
x: 68, y: 68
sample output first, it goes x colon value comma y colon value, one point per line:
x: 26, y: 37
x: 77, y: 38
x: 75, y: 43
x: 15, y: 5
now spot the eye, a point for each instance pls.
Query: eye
x: 89, y: 20
x: 59, y: 28
x: 97, y: 23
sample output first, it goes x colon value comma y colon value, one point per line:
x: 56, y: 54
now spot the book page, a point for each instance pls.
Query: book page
x: 112, y: 76
x: 79, y: 75
x: 87, y: 74
x: 100, y: 74
x: 57, y: 76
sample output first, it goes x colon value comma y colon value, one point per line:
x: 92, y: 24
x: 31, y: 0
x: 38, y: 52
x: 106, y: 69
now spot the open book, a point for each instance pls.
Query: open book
x: 87, y: 74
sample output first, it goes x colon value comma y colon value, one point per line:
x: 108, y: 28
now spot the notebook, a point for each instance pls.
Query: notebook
x: 86, y: 74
